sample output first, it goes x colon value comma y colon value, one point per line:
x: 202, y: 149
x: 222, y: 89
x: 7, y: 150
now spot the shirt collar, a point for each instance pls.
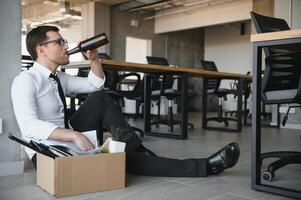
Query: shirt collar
x: 42, y: 69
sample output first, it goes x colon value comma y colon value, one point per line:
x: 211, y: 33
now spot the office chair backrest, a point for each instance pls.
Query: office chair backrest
x: 27, y: 62
x: 167, y: 81
x: 265, y: 24
x: 213, y: 83
x: 111, y: 75
x: 157, y: 60
x: 83, y: 72
x: 281, y: 81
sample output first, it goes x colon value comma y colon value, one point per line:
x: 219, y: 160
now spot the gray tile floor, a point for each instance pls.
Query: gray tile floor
x: 233, y: 184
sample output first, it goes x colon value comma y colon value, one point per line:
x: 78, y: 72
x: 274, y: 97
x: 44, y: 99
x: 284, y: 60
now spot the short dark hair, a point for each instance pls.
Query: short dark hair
x: 35, y: 37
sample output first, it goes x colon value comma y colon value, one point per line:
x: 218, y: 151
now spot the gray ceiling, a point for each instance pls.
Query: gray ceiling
x: 50, y: 11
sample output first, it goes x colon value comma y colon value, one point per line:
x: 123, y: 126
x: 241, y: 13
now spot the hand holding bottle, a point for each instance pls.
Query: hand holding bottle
x: 91, y: 55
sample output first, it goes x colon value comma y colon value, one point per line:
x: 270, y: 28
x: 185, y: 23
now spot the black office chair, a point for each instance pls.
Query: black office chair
x: 112, y: 79
x: 281, y: 84
x: 213, y: 87
x: 246, y: 92
x: 166, y: 91
x: 112, y: 86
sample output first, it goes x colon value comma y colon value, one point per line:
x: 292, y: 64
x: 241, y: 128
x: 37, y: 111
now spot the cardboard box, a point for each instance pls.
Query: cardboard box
x: 64, y: 176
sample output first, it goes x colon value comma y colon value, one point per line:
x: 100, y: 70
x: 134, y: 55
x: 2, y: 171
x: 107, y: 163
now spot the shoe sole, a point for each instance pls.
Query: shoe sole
x: 236, y: 155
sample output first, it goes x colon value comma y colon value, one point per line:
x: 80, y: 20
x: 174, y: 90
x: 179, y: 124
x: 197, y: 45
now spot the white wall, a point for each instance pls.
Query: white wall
x: 231, y: 51
x: 95, y: 20
x: 137, y: 49
x: 282, y: 9
x: 296, y: 14
x: 202, y: 15
x: 291, y: 14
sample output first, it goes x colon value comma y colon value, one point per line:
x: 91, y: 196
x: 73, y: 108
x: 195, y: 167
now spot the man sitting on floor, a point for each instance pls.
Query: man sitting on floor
x: 40, y: 107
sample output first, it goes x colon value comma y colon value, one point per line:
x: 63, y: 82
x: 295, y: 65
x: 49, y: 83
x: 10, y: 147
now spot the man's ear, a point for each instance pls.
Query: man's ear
x: 41, y: 51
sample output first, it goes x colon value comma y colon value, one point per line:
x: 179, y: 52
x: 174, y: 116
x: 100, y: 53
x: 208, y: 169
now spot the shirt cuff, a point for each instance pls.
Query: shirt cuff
x: 40, y: 132
x: 45, y: 135
x: 95, y: 80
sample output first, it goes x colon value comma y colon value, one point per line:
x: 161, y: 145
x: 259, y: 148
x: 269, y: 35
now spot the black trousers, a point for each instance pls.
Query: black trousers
x: 100, y: 110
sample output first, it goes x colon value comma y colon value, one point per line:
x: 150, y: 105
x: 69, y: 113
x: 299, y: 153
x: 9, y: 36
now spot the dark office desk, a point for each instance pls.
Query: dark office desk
x: 260, y: 41
x: 149, y: 69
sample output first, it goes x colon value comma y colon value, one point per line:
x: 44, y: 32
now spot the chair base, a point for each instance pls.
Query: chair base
x: 170, y: 124
x: 234, y: 113
x: 286, y: 158
x: 169, y: 121
x: 223, y: 119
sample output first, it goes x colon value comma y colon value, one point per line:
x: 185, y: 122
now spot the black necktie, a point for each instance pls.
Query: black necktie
x: 62, y: 97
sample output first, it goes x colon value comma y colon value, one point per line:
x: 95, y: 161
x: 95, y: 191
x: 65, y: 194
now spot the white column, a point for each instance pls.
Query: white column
x: 95, y: 20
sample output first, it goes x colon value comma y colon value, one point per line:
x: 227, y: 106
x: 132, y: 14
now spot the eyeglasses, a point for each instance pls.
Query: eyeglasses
x: 60, y: 41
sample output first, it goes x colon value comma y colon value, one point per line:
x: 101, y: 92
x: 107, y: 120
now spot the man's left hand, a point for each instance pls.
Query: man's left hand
x: 92, y: 55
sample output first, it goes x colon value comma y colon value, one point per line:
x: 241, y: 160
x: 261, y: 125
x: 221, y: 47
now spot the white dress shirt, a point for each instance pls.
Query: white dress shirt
x: 36, y: 101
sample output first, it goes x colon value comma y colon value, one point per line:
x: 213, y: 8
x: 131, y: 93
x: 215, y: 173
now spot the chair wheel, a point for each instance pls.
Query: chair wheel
x: 268, y: 176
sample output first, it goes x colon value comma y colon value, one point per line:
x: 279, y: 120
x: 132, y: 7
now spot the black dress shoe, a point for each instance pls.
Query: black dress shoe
x: 225, y: 158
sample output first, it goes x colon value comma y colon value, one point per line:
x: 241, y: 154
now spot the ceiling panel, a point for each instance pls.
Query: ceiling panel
x: 52, y: 11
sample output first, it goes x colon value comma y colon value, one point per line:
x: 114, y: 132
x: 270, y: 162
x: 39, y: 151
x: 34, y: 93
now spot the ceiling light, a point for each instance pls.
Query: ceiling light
x: 197, y: 2
x: 51, y: 2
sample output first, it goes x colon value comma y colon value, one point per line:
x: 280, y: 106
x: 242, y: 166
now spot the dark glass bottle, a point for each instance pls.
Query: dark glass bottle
x: 90, y: 43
